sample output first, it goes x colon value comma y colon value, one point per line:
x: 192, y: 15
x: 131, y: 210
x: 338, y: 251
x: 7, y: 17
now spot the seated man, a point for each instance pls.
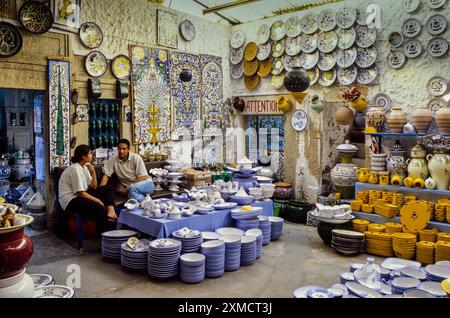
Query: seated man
x: 131, y: 172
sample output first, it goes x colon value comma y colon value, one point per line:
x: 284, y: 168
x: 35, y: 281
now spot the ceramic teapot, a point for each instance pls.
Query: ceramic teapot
x: 439, y: 166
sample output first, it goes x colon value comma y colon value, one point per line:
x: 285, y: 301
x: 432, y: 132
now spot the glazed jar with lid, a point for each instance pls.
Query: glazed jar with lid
x: 343, y: 175
x: 417, y: 165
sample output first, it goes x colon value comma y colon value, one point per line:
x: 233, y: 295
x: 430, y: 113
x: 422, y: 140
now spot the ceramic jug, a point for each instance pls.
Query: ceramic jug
x: 363, y: 175
x: 439, y: 166
x: 417, y: 165
x: 284, y: 104
x: 315, y: 102
x: 375, y: 117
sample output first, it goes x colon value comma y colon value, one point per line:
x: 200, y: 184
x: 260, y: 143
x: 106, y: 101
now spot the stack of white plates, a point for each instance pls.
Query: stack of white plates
x: 248, y: 250
x: 257, y: 233
x: 266, y: 227
x: 403, y: 284
x: 277, y: 227
x: 54, y: 291
x: 40, y: 280
x: 163, y: 256
x: 134, y: 259
x: 112, y: 241
x: 238, y: 214
x: 189, y: 244
x: 192, y: 268
x: 210, y: 236
x: 247, y: 224
x: 437, y: 273
x: 232, y: 252
x: 229, y: 231
x: 215, y: 258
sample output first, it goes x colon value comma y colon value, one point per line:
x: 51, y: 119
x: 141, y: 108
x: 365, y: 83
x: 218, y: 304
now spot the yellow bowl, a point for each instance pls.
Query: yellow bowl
x: 367, y: 208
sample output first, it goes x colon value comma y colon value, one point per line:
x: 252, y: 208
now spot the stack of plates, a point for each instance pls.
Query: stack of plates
x: 277, y: 227
x: 437, y: 273
x: 134, y: 259
x: 189, y: 244
x: 215, y: 257
x: 442, y: 251
x: 441, y: 236
x: 40, y: 280
x: 192, y: 268
x: 404, y: 245
x: 238, y: 214
x: 112, y: 242
x: 210, y: 236
x: 232, y: 252
x: 425, y: 252
x: 360, y: 225
x: 434, y: 288
x: 54, y: 291
x: 393, y: 227
x: 428, y: 235
x: 248, y: 250
x: 374, y: 227
x: 347, y: 242
x: 247, y: 224
x: 259, y: 240
x: 229, y: 231
x: 402, y: 284
x: 163, y: 256
x: 379, y: 244
x: 266, y: 227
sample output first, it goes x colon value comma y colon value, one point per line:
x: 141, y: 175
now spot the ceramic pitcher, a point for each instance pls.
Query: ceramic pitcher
x: 417, y: 166
x: 315, y: 102
x: 439, y: 166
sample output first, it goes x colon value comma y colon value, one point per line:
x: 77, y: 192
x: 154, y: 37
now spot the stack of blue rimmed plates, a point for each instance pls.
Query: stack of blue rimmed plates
x: 112, y: 241
x: 277, y: 227
x: 163, y: 256
x: 40, y: 280
x: 248, y: 250
x: 347, y: 277
x: 402, y: 284
x: 189, y: 244
x: 229, y: 231
x: 238, y: 214
x: 210, y: 236
x: 134, y: 258
x: 232, y: 252
x: 437, y: 273
x: 266, y: 227
x: 215, y: 258
x: 247, y: 224
x: 192, y: 268
x: 259, y: 240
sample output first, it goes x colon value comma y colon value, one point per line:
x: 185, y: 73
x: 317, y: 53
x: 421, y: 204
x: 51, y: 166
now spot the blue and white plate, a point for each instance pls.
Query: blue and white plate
x: 210, y: 236
x: 347, y: 277
x: 301, y: 291
x: 417, y: 293
x: 414, y: 273
x: 225, y: 206
x: 437, y: 272
x: 433, y: 288
x: 319, y: 293
x: 362, y: 291
x: 229, y: 231
x: 404, y: 283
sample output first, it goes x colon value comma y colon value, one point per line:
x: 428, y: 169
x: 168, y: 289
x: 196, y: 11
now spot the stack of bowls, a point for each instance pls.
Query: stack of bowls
x: 247, y: 224
x: 239, y: 214
x: 215, y: 258
x: 437, y: 273
x: 210, y: 236
x: 404, y: 245
x: 374, y: 227
x: 257, y: 233
x: 347, y: 242
x: 163, y: 256
x: 232, y: 252
x: 276, y: 227
x: 112, y: 242
x: 378, y: 162
x: 189, y: 244
x: 440, y: 212
x: 266, y: 227
x: 256, y: 192
x: 192, y: 268
x: 229, y: 231
x: 442, y: 251
x: 268, y: 190
x: 425, y: 252
x: 248, y: 250
x: 242, y: 200
x: 360, y: 225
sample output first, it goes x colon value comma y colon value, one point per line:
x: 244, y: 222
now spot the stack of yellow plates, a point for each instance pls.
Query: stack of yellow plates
x: 379, y: 244
x: 409, y: 198
x: 378, y: 228
x: 364, y: 196
x: 442, y: 251
x: 404, y: 245
x: 448, y: 213
x: 444, y: 201
x: 374, y: 195
x: 386, y: 210
x: 392, y: 227
x: 440, y: 211
x: 428, y: 235
x: 367, y: 208
x: 356, y: 205
x: 380, y: 201
x: 425, y: 252
x: 443, y: 237
x: 397, y: 199
x: 430, y: 206
x: 387, y: 196
x: 405, y: 230
x: 360, y: 225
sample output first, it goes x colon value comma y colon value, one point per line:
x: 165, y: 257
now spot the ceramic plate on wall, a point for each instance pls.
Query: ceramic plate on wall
x: 121, y: 67
x: 367, y: 76
x: 437, y: 86
x: 436, y: 24
x: 366, y: 57
x: 250, y: 51
x: 250, y: 68
x: 327, y: 78
x: 346, y: 38
x: 308, y: 61
x: 299, y: 120
x: 91, y: 35
x: 12, y: 44
x: 237, y: 70
x: 277, y: 66
x: 411, y: 27
x: 347, y: 76
x: 236, y: 55
x: 309, y: 23
x: 278, y: 48
x: 327, y: 20
x: 327, y: 41
x: 308, y: 43
x: 383, y: 100
x: 293, y: 27
x: 293, y: 46
x: 237, y: 39
x: 291, y: 61
x: 263, y: 34
x: 264, y: 51
x: 277, y: 31
x: 187, y: 30
x: 265, y: 67
x: 326, y: 61
x: 436, y: 103
x: 396, y: 59
x: 313, y: 74
x: 412, y: 48
x: 361, y: 16
x: 346, y: 58
x: 437, y: 46
x: 96, y: 64
x: 277, y: 81
x: 435, y: 4
x: 36, y: 17
x: 411, y: 6
x: 346, y: 17
x: 365, y: 36
x: 251, y: 82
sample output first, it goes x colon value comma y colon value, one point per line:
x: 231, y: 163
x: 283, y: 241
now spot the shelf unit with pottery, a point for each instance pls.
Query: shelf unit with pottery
x: 421, y: 194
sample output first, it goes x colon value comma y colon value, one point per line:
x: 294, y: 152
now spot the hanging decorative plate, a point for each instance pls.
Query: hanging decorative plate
x: 309, y: 23
x: 366, y: 57
x: 367, y: 75
x: 412, y: 48
x: 327, y: 61
x: 293, y: 46
x: 121, y: 67
x: 411, y: 27
x: 308, y: 61
x: 346, y: 38
x: 346, y: 58
x: 236, y: 55
x: 308, y: 43
x: 264, y: 51
x: 237, y: 39
x: 291, y: 61
x: 436, y: 103
x: 187, y: 30
x: 437, y: 86
x: 313, y: 74
x: 293, y: 27
x: 411, y: 6
x: 347, y: 76
x: 361, y: 16
x: 365, y: 36
x: 395, y: 39
x: 96, y: 64
x: 327, y: 78
x: 396, y: 59
x: 436, y: 24
x: 277, y: 66
x: 250, y: 51
x: 277, y: 81
x: 263, y: 34
x: 277, y: 31
x: 382, y: 100
x: 91, y: 35
x: 435, y: 4
x: 250, y: 68
x: 437, y: 46
x: 237, y: 70
x: 10, y: 39
x: 415, y: 215
x: 251, y: 82
x: 346, y: 18
x: 265, y: 67
x: 36, y: 17
x: 278, y: 48
x: 299, y: 120
x: 327, y: 20
x: 327, y: 41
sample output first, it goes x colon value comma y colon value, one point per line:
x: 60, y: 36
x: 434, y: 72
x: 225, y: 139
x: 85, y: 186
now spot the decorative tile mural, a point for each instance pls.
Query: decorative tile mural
x: 185, y: 95
x: 167, y: 29
x: 212, y: 94
x: 151, y: 94
x: 59, y: 110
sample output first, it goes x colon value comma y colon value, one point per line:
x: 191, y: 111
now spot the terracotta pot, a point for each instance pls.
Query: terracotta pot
x: 396, y: 120
x: 442, y: 119
x: 15, y: 252
x: 422, y: 118
x: 375, y: 117
x: 344, y: 115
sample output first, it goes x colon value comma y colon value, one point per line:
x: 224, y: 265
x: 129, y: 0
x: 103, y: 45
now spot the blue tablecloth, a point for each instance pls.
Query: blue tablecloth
x: 164, y: 227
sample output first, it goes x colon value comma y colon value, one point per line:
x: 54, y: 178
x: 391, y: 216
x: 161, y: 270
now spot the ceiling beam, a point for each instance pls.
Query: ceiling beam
x: 220, y: 15
x: 228, y: 5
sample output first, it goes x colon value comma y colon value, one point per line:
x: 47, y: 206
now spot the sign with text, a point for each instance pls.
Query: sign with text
x: 261, y: 105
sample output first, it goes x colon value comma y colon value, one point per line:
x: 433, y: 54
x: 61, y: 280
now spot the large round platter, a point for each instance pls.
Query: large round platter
x: 263, y: 34
x: 396, y: 59
x: 91, y: 35
x: 121, y: 67
x: 367, y: 76
x: 308, y: 43
x: 365, y: 36
x: 237, y: 55
x: 411, y: 27
x: 278, y: 48
x: 10, y: 39
x: 187, y: 30
x: 366, y: 57
x: 327, y: 41
x: 327, y: 78
x: 277, y: 31
x: 24, y: 221
x: 412, y: 48
x: 327, y: 20
x: 277, y: 66
x: 435, y: 4
x: 237, y: 70
x: 250, y: 68
x: 308, y: 61
x: 277, y: 81
x: 237, y: 39
x: 436, y: 24
x: 346, y: 38
x: 265, y: 67
x: 362, y: 291
x: 346, y: 17
x: 96, y: 64
x: 313, y: 74
x: 291, y: 61
x: 347, y: 76
x: 436, y: 103
x: 309, y: 23
x: 437, y: 86
x: 250, y: 51
x: 346, y: 58
x: 36, y: 17
x: 264, y: 51
x: 299, y: 120
x: 414, y: 215
x: 382, y: 100
x: 327, y: 61
x: 251, y: 82
x: 293, y: 46
x: 411, y: 6
x: 437, y: 46
x: 293, y: 27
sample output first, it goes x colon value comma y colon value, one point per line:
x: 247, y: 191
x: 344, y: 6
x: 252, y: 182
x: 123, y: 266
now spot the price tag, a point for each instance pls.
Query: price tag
x: 132, y: 241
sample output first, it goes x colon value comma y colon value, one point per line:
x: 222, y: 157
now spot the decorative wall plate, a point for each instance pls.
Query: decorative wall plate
x: 309, y: 23
x: 277, y: 31
x: 91, y: 35
x: 327, y: 78
x: 395, y: 39
x: 96, y: 64
x: 313, y: 74
x: 396, y: 59
x: 308, y: 43
x: 11, y: 40
x: 293, y: 46
x: 436, y: 24
x: 278, y: 48
x: 265, y: 67
x: 347, y: 76
x: 291, y: 61
x: 436, y: 103
x: 327, y: 61
x: 237, y: 39
x: 187, y: 30
x: 121, y: 67
x: 411, y: 6
x: 251, y: 82
x: 346, y: 38
x: 250, y: 51
x: 361, y: 16
x: 437, y: 86
x: 308, y: 61
x: 36, y: 17
x: 437, y: 46
x: 277, y: 66
x: 412, y: 48
x: 366, y: 57
x: 366, y: 36
x: 346, y: 58
x: 411, y: 27
x: 382, y: 100
x: 277, y: 81
x: 263, y: 34
x: 293, y: 27
x: 250, y: 68
x: 237, y: 70
x: 327, y: 41
x: 435, y: 4
x: 346, y: 17
x: 327, y: 20
x: 367, y: 75
x: 236, y: 55
x: 264, y: 51
x: 299, y: 120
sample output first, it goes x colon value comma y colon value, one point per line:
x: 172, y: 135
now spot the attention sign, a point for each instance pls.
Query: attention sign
x: 261, y: 105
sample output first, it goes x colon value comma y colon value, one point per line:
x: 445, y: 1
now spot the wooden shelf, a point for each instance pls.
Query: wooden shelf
x: 399, y: 135
x: 422, y: 192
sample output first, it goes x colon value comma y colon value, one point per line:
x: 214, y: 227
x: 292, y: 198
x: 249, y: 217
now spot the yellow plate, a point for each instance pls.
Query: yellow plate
x: 278, y: 48
x: 250, y: 68
x: 264, y: 68
x: 250, y: 51
x: 277, y: 81
x: 415, y: 216
x: 251, y: 82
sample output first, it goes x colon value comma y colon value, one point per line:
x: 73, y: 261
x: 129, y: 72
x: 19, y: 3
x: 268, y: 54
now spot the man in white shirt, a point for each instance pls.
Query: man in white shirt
x: 130, y: 170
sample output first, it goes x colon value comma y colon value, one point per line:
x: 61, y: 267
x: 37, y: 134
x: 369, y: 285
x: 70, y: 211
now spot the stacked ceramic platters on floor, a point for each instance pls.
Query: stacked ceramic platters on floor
x: 425, y: 252
x: 229, y: 231
x: 238, y: 214
x: 248, y: 250
x: 163, y: 256
x: 112, y: 242
x: 247, y: 224
x: 210, y: 236
x: 379, y: 244
x: 192, y: 268
x: 266, y: 227
x: 404, y: 245
x: 232, y: 252
x: 437, y: 273
x: 190, y: 240
x: 257, y: 233
x: 136, y: 258
x: 277, y: 227
x: 40, y: 280
x: 215, y: 258
x: 442, y: 251
x: 347, y: 242
x: 402, y: 284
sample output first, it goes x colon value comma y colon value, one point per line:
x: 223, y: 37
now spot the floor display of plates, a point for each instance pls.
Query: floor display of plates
x: 266, y: 227
x: 54, y: 291
x: 215, y: 258
x: 257, y: 233
x: 189, y: 244
x: 347, y: 242
x: 210, y: 236
x: 248, y: 250
x: 232, y: 252
x: 112, y: 243
x: 163, y: 257
x: 192, y: 268
x: 134, y: 258
x: 247, y: 224
x: 277, y: 224
x: 40, y: 280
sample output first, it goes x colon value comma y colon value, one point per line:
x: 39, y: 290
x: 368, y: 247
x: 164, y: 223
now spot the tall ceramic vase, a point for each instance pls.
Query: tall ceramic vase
x: 375, y: 117
x: 396, y: 120
x: 442, y: 118
x: 422, y: 118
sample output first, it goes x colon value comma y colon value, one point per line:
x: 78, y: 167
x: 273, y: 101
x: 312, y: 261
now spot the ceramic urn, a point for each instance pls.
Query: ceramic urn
x: 343, y: 175
x: 396, y: 163
x: 439, y: 166
x: 442, y: 119
x: 344, y: 115
x: 421, y: 119
x: 417, y: 165
x: 375, y: 117
x: 396, y: 120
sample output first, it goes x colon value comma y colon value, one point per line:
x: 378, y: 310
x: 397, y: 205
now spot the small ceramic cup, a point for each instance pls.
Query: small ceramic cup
x: 419, y: 183
x: 409, y: 182
x: 396, y: 180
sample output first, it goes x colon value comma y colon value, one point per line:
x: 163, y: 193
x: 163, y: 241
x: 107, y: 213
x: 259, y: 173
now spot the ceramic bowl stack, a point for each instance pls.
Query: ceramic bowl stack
x: 404, y: 245
x: 192, y: 268
x: 437, y: 273
x: 40, y: 280
x: 215, y: 258
x: 240, y: 214
x: 442, y: 251
x: 163, y: 256
x: 248, y: 250
x: 210, y: 236
x: 112, y: 243
x: 276, y: 227
x: 54, y: 291
x: 190, y: 240
x: 378, y: 162
x: 266, y: 227
x: 257, y: 193
x: 232, y: 252
x: 347, y: 242
x: 402, y: 284
x: 257, y: 233
x: 268, y: 190
x: 247, y: 224
x: 136, y: 258
x: 229, y: 231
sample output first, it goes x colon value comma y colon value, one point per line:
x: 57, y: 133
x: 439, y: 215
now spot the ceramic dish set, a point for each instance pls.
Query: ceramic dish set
x: 190, y: 241
x: 112, y: 243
